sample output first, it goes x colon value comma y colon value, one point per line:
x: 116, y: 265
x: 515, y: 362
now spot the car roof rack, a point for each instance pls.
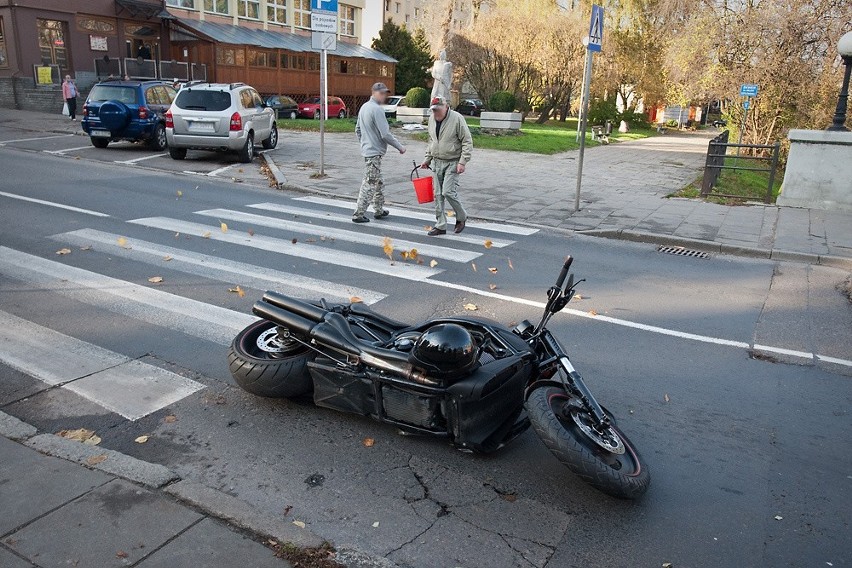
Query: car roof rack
x: 235, y: 85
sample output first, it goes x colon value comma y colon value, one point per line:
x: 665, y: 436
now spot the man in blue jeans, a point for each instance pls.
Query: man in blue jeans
x: 449, y: 150
x: 374, y: 135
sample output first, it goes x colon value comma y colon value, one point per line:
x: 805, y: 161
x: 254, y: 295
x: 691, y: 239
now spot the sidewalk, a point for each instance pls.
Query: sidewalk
x: 623, y: 195
x: 60, y: 513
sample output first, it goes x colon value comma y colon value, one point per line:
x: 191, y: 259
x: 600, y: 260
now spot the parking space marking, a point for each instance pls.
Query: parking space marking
x: 218, y: 171
x: 143, y: 158
x: 60, y: 152
x: 4, y: 142
x: 52, y: 204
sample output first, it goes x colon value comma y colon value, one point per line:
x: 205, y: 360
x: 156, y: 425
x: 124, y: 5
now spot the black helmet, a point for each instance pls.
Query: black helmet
x: 446, y: 348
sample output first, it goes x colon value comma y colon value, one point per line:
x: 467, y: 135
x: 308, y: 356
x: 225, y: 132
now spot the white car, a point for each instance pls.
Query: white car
x: 212, y: 116
x: 391, y: 105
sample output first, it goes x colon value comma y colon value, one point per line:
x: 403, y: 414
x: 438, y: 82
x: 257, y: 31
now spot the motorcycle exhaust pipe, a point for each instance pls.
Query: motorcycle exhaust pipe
x: 293, y: 322
x: 298, y: 307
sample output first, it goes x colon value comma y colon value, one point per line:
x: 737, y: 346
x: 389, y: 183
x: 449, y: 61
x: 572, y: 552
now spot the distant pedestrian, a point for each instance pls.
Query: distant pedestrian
x: 449, y: 149
x: 374, y: 134
x: 69, y: 93
x: 143, y: 51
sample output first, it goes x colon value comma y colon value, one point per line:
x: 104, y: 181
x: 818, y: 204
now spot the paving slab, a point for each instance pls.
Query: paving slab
x: 9, y: 560
x: 116, y: 524
x: 212, y: 545
x: 32, y: 484
x: 14, y: 429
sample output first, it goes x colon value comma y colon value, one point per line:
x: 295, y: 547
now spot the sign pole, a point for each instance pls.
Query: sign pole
x: 324, y: 30
x: 323, y: 105
x: 746, y: 106
x: 581, y: 126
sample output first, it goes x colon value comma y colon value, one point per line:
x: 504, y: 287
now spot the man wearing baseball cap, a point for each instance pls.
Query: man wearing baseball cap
x: 449, y: 150
x: 374, y: 135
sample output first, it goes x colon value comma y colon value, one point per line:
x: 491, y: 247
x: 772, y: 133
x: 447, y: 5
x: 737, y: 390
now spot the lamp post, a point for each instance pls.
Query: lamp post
x: 844, y: 48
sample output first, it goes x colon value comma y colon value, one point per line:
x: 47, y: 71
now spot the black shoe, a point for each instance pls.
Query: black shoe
x: 436, y: 232
x: 360, y: 219
x: 381, y: 214
x: 459, y: 227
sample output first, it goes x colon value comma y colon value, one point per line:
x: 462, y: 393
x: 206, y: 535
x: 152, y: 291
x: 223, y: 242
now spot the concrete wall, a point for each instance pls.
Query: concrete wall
x: 819, y: 170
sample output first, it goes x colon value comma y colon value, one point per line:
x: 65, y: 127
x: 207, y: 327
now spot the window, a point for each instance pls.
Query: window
x: 397, y: 7
x: 215, y: 101
x: 230, y: 56
x: 217, y: 6
x: 4, y: 55
x: 407, y: 19
x: 285, y: 60
x: 51, y: 43
x: 346, y: 15
x: 313, y: 63
x: 181, y: 4
x: 299, y: 62
x: 342, y: 66
x: 261, y: 58
x: 152, y: 96
x: 248, y: 9
x: 102, y: 93
x: 276, y: 12
x: 302, y: 14
x: 417, y: 12
x: 383, y: 71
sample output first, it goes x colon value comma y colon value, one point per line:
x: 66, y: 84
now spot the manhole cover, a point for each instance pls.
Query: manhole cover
x: 681, y: 251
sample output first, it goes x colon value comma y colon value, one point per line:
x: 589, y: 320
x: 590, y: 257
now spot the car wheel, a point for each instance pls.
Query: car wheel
x: 246, y: 154
x: 99, y: 142
x: 341, y: 114
x: 177, y: 153
x: 293, y: 115
x: 272, y: 141
x: 317, y: 115
x: 158, y: 139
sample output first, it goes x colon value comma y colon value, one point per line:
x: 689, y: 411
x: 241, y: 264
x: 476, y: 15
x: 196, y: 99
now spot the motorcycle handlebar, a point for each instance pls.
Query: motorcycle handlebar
x: 564, y: 273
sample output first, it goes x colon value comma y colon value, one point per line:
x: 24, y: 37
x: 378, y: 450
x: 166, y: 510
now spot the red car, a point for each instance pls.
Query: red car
x: 311, y: 108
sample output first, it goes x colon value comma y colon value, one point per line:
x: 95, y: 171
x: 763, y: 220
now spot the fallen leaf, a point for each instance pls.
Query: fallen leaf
x: 251, y: 232
x: 376, y: 525
x: 427, y: 228
x: 271, y: 542
x: 578, y: 297
x: 473, y: 265
x: 87, y: 247
x: 492, y: 286
x: 778, y: 517
x: 95, y: 460
x: 224, y: 227
x: 64, y: 251
x: 121, y: 554
x: 409, y: 254
x: 167, y: 258
x: 80, y: 435
x: 355, y: 300
x: 155, y: 279
x: 510, y: 497
x: 470, y: 307
x: 241, y: 170
x: 433, y: 263
x: 177, y: 235
x: 93, y: 441
x: 510, y: 264
x: 299, y: 524
x: 667, y: 565
x: 492, y: 270
x: 179, y: 194
x: 141, y: 439
x: 488, y: 243
x: 238, y: 291
x: 666, y: 397
x: 368, y: 442
x: 122, y: 242
x: 206, y: 235
x: 387, y: 246
x: 593, y: 313
x: 295, y: 240
x: 170, y: 418
x: 451, y: 213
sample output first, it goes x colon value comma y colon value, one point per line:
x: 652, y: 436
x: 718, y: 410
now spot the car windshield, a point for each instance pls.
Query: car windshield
x: 313, y: 101
x: 101, y: 93
x: 393, y: 100
x: 203, y: 100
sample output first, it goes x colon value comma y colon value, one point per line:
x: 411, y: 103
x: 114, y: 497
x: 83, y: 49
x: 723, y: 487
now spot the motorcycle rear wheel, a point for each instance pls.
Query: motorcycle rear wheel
x: 620, y: 475
x: 264, y: 366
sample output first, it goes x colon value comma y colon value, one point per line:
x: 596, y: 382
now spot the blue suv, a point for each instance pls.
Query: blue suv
x: 128, y: 110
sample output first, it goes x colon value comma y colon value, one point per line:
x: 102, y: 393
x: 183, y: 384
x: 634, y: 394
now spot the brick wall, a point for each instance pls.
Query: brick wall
x: 30, y: 97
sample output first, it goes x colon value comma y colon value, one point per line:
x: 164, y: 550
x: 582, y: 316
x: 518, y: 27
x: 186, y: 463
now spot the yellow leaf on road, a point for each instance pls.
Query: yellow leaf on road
x: 155, y: 279
x: 167, y: 258
x: 368, y: 442
x: 473, y: 265
x: 179, y: 193
x: 492, y: 270
x: 510, y: 264
x: 170, y: 418
x: 206, y: 235
x: 488, y: 243
x: 470, y: 307
x: 387, y: 246
x: 238, y: 291
x: 87, y: 247
x: 593, y: 313
x: 224, y: 227
x: 355, y: 300
x: 299, y: 524
x: 95, y: 460
x: 80, y: 435
x: 122, y: 242
x: 433, y: 263
x: 666, y: 397
x: 492, y: 286
x: 64, y: 251
x: 141, y: 439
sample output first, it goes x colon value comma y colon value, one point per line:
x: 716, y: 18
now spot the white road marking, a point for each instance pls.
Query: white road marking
x: 377, y: 264
x: 218, y: 171
x: 52, y: 204
x: 142, y: 159
x: 835, y: 360
x: 413, y: 214
x: 60, y: 152
x: 782, y: 351
x: 122, y: 385
x: 423, y: 249
x: 246, y: 275
x: 192, y: 317
x: 4, y: 142
x: 380, y: 225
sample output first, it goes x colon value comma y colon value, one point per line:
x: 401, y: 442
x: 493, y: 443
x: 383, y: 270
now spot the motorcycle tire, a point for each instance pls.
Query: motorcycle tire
x: 624, y: 476
x: 280, y: 374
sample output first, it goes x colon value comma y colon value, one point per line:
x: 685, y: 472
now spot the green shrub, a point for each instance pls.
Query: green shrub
x: 672, y: 123
x: 502, y: 101
x: 635, y: 119
x: 601, y: 110
x: 417, y: 97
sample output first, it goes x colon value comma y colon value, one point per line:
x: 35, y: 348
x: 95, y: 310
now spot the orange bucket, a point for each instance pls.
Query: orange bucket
x: 422, y: 186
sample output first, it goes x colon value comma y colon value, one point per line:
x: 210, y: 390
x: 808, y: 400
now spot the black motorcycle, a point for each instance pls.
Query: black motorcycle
x: 474, y: 382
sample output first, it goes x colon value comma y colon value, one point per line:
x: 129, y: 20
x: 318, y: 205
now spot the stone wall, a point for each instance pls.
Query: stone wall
x: 21, y: 93
x: 819, y: 170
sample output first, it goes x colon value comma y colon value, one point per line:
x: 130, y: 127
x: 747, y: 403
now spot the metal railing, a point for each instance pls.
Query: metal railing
x: 105, y: 68
x: 198, y: 71
x: 147, y: 69
x: 140, y: 68
x: 717, y: 154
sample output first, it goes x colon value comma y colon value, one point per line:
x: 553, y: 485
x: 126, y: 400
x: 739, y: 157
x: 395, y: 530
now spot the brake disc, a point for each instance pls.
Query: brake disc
x: 608, y: 439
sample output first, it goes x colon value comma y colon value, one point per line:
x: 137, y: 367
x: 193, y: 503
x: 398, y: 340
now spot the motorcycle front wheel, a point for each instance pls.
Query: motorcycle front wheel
x: 265, y: 364
x: 564, y: 427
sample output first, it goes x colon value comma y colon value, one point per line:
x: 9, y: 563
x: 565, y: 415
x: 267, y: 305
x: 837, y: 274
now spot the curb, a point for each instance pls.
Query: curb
x: 280, y: 178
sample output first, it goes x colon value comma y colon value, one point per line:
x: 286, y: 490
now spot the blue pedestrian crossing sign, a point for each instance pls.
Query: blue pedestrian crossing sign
x: 324, y: 5
x: 596, y: 28
x: 746, y: 104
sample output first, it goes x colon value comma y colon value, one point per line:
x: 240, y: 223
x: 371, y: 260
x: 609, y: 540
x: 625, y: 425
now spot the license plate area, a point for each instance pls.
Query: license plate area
x: 101, y: 133
x: 206, y: 127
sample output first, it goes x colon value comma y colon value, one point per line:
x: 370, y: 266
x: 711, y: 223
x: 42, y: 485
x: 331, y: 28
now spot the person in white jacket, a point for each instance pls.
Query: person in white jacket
x: 374, y: 134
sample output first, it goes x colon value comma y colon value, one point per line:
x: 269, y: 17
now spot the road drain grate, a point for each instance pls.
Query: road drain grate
x: 681, y: 251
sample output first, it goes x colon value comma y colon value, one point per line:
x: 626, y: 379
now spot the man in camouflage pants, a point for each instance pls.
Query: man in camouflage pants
x: 374, y: 135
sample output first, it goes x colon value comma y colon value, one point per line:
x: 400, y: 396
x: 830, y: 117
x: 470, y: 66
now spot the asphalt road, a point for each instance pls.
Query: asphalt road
x: 748, y: 456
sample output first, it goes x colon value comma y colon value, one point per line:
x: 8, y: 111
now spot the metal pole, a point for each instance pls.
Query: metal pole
x: 581, y: 127
x: 743, y: 125
x: 839, y: 121
x: 323, y: 106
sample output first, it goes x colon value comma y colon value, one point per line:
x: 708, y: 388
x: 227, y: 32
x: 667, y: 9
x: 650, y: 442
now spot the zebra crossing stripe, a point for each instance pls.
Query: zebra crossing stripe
x: 424, y: 216
x: 246, y: 275
x: 359, y: 237
x: 383, y: 225
x: 192, y: 317
x: 377, y: 264
x: 122, y: 385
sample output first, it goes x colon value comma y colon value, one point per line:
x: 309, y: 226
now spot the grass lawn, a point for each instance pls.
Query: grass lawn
x: 745, y: 185
x: 549, y: 138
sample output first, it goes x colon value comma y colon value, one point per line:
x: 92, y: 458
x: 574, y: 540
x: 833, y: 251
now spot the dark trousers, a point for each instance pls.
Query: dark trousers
x: 72, y: 107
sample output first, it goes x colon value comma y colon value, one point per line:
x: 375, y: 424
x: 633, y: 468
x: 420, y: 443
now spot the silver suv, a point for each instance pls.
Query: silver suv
x: 211, y: 116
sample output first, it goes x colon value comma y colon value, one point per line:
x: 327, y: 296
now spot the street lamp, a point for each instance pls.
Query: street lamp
x: 844, y: 48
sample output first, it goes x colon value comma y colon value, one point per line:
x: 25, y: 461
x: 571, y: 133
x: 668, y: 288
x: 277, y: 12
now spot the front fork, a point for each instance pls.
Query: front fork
x: 574, y: 382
